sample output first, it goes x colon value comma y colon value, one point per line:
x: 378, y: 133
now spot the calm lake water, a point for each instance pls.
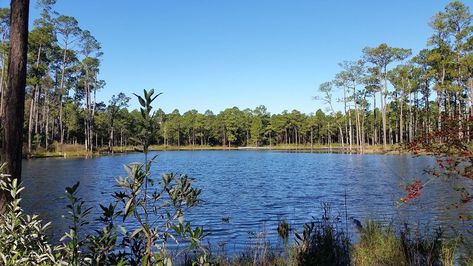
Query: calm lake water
x: 255, y: 189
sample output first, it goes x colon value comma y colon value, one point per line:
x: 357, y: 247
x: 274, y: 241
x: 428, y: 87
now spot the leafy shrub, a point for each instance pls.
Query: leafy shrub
x: 159, y: 217
x: 23, y: 238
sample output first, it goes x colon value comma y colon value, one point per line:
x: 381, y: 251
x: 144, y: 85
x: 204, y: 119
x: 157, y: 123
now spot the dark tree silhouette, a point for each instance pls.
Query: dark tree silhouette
x: 14, y: 97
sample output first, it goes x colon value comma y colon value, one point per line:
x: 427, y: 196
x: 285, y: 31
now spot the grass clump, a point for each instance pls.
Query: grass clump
x: 323, y: 242
x: 381, y: 245
x: 378, y: 245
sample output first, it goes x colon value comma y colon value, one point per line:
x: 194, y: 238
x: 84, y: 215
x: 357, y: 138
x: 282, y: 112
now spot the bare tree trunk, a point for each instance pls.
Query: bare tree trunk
x: 30, y: 120
x: 411, y: 131
x: 340, y: 131
x: 92, y: 116
x: 329, y: 137
x: 33, y: 104
x: 12, y: 151
x: 401, y: 125
x: 110, y: 142
x: 37, y: 111
x: 362, y: 132
x: 375, y: 132
x: 46, y: 126
x: 357, y: 120
x: 350, y: 130
x: 61, y: 88
x: 383, y: 108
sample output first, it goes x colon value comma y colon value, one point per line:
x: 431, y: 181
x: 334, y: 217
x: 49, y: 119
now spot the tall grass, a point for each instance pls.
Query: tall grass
x: 378, y: 245
x: 381, y: 245
x: 323, y: 242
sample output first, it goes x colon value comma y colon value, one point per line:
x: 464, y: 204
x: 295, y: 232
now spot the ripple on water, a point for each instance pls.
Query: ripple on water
x: 253, y: 189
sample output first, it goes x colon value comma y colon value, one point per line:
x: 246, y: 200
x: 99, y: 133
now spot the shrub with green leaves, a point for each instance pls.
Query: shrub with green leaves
x: 145, y: 215
x: 23, y: 238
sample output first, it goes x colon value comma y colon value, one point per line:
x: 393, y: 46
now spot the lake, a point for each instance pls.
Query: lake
x: 255, y: 189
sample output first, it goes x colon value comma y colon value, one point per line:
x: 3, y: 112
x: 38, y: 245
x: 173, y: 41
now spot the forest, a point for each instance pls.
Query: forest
x: 388, y: 95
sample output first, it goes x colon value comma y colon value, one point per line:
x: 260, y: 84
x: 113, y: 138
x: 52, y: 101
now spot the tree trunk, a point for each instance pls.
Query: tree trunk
x: 33, y: 105
x: 46, y: 125
x: 357, y: 120
x: 110, y: 142
x: 15, y: 94
x: 30, y: 120
x: 383, y: 108
x: 61, y: 88
x: 375, y: 135
x: 37, y: 111
x: 2, y: 91
x: 350, y: 130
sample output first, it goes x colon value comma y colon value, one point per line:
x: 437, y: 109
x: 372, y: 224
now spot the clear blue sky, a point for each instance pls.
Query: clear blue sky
x: 205, y: 54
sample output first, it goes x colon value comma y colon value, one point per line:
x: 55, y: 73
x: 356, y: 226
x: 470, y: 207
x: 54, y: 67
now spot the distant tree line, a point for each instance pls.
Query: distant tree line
x: 388, y: 95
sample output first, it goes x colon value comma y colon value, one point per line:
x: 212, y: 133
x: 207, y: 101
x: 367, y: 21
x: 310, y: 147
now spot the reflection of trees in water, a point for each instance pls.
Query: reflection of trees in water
x: 252, y: 188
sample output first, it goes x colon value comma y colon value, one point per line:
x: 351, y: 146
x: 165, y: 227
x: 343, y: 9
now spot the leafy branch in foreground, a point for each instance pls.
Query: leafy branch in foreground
x: 159, y: 212
x: 23, y: 237
x: 453, y: 158
x: 160, y: 216
x: 137, y: 226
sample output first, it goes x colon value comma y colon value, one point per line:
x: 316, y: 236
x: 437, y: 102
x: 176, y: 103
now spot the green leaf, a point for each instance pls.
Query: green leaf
x: 128, y: 208
x: 136, y: 231
x: 141, y: 100
x: 156, y: 96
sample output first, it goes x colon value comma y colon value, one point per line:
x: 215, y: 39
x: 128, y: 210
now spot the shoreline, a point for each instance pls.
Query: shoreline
x: 78, y: 153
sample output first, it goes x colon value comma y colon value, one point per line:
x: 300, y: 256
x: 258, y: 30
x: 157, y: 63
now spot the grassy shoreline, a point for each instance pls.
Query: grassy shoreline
x: 78, y: 151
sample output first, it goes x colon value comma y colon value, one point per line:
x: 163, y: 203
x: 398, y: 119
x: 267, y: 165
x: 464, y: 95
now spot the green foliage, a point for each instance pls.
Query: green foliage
x: 159, y: 213
x: 256, y: 130
x: 24, y: 240
x: 78, y: 214
x: 156, y: 210
x: 147, y: 126
x: 22, y: 237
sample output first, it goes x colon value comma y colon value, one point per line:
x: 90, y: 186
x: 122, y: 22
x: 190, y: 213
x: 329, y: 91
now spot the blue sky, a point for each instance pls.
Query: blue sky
x: 214, y: 54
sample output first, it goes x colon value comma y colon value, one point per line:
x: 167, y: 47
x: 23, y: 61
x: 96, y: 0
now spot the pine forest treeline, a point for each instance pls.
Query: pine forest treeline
x: 388, y: 95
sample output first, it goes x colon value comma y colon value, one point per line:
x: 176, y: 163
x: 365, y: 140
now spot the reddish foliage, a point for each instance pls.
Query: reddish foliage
x: 454, y: 157
x: 414, y: 191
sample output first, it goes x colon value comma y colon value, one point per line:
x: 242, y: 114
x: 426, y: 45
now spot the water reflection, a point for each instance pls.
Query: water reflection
x: 253, y: 189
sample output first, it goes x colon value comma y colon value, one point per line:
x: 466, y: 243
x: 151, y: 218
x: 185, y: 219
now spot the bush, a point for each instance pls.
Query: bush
x: 24, y: 241
x: 22, y: 237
